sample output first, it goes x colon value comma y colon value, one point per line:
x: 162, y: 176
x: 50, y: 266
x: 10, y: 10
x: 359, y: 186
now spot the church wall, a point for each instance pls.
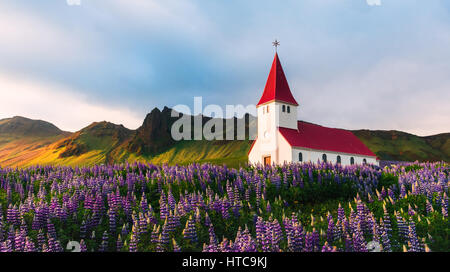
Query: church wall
x: 279, y: 153
x: 315, y: 155
x: 284, y: 150
x: 285, y: 119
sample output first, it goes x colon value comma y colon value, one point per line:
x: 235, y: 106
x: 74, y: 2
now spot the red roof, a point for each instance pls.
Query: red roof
x: 277, y: 87
x: 326, y: 139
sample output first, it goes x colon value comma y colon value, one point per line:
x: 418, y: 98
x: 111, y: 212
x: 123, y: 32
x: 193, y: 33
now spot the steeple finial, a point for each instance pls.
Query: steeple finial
x: 276, y: 43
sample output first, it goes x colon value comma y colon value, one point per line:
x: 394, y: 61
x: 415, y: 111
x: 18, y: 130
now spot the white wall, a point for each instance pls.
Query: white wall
x: 279, y: 153
x: 285, y: 119
x: 269, y: 141
x: 315, y: 155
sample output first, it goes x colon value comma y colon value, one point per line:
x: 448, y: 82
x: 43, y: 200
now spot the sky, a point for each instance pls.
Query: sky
x: 350, y: 63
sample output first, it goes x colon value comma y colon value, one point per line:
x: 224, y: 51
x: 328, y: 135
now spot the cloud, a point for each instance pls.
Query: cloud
x: 395, y: 94
x: 59, y: 105
x: 28, y: 37
x: 350, y: 64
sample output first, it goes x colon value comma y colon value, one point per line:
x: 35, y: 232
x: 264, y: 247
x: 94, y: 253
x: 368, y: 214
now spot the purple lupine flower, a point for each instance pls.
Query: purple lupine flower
x: 29, y: 245
x: 412, y: 235
x: 112, y: 221
x: 189, y: 231
x: 41, y: 239
x: 385, y: 237
x: 387, y: 222
x: 19, y: 242
x: 260, y: 230
x: 163, y: 239
x: 155, y: 234
x: 268, y: 208
x: 276, y: 235
x: 171, y: 200
x: 309, y: 242
x: 176, y: 248
x: 402, y: 227
x: 83, y: 247
x: 119, y: 244
x: 341, y: 213
x: 330, y: 231
x: 124, y: 231
x: 327, y: 248
x: 104, y: 244
x: 212, y: 235
x: 429, y: 207
x: 133, y: 244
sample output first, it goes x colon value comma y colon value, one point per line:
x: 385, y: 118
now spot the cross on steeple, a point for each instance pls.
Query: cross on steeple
x: 276, y: 43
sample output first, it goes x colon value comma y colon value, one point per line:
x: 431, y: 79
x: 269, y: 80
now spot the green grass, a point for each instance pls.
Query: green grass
x: 231, y: 153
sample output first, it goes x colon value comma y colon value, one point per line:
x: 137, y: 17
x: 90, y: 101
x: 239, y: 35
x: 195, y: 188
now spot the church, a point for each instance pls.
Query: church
x: 283, y: 139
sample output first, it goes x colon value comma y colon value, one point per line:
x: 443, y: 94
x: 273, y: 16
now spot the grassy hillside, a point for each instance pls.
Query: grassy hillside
x: 25, y: 142
x: 231, y: 153
x: 401, y: 146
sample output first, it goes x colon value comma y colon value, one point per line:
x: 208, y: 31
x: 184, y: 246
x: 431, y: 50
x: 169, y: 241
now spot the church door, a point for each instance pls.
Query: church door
x: 267, y: 160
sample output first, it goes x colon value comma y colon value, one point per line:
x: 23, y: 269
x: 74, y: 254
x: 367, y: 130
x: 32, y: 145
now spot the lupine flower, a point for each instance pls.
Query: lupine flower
x: 189, y: 231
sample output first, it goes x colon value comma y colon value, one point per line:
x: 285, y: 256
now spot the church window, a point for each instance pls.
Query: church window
x: 300, y: 157
x: 288, y: 109
x: 338, y: 159
x: 324, y: 157
x: 352, y: 160
x: 283, y: 108
x: 267, y: 109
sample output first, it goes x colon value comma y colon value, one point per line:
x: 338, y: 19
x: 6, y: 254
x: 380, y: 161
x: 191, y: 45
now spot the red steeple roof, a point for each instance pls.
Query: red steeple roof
x: 277, y: 87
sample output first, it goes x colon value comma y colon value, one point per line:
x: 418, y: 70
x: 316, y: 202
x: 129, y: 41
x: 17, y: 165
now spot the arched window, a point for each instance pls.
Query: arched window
x: 338, y: 159
x: 267, y: 109
x: 288, y: 109
x: 324, y: 157
x: 364, y: 161
x: 352, y: 160
x: 300, y: 157
x: 283, y: 108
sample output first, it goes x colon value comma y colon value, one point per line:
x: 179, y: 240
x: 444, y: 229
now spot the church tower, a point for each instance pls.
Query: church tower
x: 276, y: 108
x: 283, y: 139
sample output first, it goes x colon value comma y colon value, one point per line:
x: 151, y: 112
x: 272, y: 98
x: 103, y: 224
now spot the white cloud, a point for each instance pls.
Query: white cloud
x: 59, y: 105
x: 28, y: 37
x: 395, y: 94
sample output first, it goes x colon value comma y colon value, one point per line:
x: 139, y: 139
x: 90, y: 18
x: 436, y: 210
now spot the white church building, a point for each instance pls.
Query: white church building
x: 283, y: 139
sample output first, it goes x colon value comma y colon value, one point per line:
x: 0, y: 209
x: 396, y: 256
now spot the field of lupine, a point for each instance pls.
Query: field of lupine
x: 291, y: 208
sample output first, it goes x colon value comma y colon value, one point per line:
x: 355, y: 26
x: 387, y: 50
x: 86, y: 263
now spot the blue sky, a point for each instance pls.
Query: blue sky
x: 349, y: 64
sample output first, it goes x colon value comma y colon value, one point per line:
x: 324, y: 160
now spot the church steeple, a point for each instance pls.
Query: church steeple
x: 277, y: 88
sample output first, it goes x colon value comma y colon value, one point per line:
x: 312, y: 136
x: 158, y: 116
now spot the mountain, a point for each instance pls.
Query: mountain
x: 402, y: 146
x: 25, y: 142
x: 22, y: 139
x: 154, y: 134
x: 102, y: 137
x: 23, y: 127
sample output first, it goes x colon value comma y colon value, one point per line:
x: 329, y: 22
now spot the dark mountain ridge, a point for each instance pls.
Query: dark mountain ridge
x: 111, y: 143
